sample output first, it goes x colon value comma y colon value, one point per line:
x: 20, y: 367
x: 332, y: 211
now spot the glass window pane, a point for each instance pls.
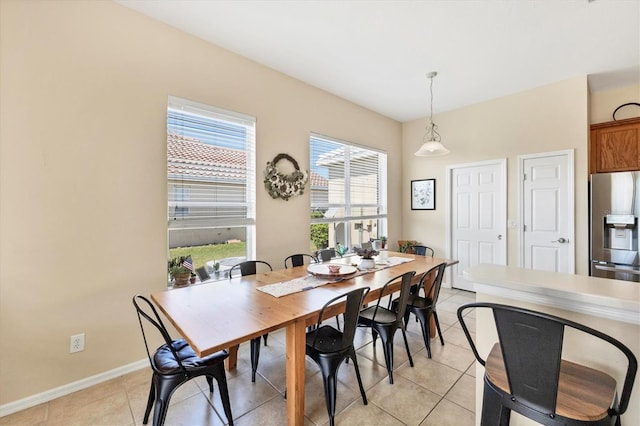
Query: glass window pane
x: 210, y: 183
x: 348, y: 192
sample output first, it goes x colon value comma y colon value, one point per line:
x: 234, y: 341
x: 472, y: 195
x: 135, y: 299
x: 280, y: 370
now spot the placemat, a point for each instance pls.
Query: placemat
x: 309, y: 282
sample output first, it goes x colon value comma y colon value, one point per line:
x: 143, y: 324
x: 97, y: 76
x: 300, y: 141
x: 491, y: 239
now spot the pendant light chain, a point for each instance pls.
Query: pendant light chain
x: 431, y: 146
x: 431, y: 133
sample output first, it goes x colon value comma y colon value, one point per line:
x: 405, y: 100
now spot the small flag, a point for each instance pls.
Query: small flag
x: 188, y: 263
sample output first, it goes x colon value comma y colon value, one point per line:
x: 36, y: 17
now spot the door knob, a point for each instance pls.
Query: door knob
x: 499, y: 237
x: 560, y: 240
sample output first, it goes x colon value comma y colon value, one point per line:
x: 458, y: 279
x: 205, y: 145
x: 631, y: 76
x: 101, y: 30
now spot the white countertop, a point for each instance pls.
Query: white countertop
x: 602, y: 297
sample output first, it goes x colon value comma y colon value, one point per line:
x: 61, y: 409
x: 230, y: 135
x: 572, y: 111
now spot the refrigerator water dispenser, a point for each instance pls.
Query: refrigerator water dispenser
x: 621, y: 232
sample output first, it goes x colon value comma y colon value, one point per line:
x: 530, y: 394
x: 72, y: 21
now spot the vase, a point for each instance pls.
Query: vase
x: 181, y: 279
x: 367, y: 264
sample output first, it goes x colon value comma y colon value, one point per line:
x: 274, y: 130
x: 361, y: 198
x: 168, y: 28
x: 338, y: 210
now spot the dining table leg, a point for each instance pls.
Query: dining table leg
x: 296, y: 342
x: 232, y: 360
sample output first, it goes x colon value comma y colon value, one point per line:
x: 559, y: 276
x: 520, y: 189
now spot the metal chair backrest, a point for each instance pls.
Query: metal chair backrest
x: 325, y: 255
x: 531, y: 344
x: 298, y: 260
x: 146, y: 310
x: 248, y: 267
x: 354, y: 302
x: 405, y: 287
x: 423, y: 250
x: 433, y: 291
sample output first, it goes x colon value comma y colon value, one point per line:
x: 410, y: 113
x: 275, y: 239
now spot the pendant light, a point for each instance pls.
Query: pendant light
x: 431, y: 146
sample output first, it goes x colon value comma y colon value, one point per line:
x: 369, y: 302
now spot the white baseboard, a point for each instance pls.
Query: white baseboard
x: 32, y: 401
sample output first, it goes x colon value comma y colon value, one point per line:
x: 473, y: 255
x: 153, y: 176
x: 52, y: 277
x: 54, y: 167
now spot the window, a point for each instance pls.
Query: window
x: 348, y: 193
x: 211, y: 184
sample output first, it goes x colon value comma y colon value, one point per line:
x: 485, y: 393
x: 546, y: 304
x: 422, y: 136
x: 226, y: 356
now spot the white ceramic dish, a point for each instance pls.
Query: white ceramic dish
x: 321, y: 269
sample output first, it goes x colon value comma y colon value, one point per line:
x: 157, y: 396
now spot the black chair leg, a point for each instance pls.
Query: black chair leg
x: 265, y: 337
x: 255, y: 356
x: 375, y: 336
x: 162, y: 403
x: 406, y: 318
x: 355, y: 364
x: 493, y: 412
x: 159, y: 412
x: 406, y: 345
x: 210, y: 381
x: 435, y: 316
x: 221, y: 378
x: 424, y: 324
x: 152, y: 397
x: 387, y: 345
x: 330, y: 387
x: 328, y: 368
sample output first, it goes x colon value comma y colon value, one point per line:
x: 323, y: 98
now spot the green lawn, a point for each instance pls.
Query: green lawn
x: 202, y: 254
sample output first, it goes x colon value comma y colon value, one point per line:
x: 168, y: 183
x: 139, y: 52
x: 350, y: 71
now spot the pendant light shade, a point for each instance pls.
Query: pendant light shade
x: 432, y: 149
x: 431, y: 146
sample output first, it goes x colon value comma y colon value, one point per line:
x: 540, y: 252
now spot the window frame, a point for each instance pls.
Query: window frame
x: 234, y: 198
x: 349, y: 219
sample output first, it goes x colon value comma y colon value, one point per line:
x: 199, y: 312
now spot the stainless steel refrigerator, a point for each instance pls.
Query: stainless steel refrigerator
x: 614, y: 216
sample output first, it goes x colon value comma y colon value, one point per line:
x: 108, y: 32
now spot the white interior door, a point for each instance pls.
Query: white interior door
x: 477, y: 217
x: 547, y: 211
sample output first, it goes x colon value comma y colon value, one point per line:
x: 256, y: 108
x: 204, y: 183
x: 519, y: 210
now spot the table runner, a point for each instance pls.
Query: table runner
x: 309, y: 282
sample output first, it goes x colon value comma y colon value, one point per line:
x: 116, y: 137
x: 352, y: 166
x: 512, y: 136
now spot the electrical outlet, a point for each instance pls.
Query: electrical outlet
x: 77, y: 343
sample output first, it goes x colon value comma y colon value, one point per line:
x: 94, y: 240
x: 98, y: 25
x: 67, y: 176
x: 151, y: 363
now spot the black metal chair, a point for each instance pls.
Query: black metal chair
x: 423, y: 307
x: 299, y: 260
x: 421, y: 250
x: 175, y: 363
x: 385, y: 321
x: 525, y: 372
x: 327, y: 254
x: 329, y: 347
x: 249, y: 267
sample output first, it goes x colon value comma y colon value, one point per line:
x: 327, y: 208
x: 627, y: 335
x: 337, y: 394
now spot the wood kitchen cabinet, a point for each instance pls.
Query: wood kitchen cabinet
x: 615, y: 146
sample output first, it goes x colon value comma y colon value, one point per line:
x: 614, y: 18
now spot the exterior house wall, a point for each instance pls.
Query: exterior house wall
x: 185, y: 229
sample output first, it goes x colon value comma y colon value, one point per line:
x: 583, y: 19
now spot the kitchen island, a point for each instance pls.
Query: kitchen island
x: 611, y: 306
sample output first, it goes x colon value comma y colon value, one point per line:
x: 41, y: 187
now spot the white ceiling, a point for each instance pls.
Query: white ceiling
x: 377, y: 53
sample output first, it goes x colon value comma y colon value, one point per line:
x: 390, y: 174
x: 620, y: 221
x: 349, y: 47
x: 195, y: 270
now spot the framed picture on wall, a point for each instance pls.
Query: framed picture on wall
x: 423, y: 194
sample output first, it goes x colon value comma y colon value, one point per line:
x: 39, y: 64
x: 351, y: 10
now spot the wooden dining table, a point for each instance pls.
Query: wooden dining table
x: 221, y: 315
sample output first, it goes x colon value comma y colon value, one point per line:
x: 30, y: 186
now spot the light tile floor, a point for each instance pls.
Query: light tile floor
x: 438, y: 391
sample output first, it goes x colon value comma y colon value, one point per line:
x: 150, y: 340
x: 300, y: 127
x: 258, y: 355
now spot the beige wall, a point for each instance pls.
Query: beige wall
x: 549, y: 118
x: 84, y: 87
x: 604, y: 103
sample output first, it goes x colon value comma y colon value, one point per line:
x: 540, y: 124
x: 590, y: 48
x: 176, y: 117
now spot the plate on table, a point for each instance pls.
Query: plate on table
x: 322, y: 270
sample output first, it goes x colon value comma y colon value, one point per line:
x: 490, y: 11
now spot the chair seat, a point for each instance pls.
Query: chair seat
x: 383, y: 315
x: 166, y: 364
x: 328, y: 340
x: 584, y: 394
x: 418, y: 302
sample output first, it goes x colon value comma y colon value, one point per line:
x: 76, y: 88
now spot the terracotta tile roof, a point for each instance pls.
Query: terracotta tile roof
x: 191, y: 158
x: 318, y: 182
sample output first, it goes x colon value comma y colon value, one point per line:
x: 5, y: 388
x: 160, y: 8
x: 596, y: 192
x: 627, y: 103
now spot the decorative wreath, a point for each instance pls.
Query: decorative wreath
x: 284, y: 186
